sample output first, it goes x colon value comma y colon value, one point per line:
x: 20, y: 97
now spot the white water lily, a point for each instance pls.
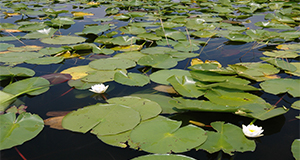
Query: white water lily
x: 44, y: 31
x: 252, y: 131
x: 99, y: 88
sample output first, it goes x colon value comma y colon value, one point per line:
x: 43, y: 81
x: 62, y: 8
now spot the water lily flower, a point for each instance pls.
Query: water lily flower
x: 99, y: 88
x: 252, y: 131
x: 44, y: 31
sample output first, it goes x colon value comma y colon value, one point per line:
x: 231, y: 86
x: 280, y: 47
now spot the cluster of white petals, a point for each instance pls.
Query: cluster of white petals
x: 44, y: 31
x: 252, y: 131
x: 99, y: 88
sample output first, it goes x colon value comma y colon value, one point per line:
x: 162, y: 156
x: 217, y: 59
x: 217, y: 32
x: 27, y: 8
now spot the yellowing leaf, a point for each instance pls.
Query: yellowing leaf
x: 165, y: 88
x: 78, y: 72
x: 213, y: 61
x: 25, y: 48
x: 271, y: 76
x: 81, y: 14
x: 197, y: 123
x: 67, y: 54
x: 93, y: 3
x: 11, y: 14
x: 12, y: 30
x: 128, y: 48
x: 196, y: 61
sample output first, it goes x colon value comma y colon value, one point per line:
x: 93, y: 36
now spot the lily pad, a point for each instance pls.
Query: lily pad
x: 16, y: 71
x: 132, y: 79
x: 296, y: 105
x: 63, y: 40
x: 163, y: 135
x: 185, y: 86
x: 103, y: 119
x: 100, y: 76
x: 15, y: 131
x: 95, y: 29
x: 158, y: 61
x: 161, y: 76
x: 295, y: 149
x: 277, y: 86
x: 228, y: 138
x: 147, y: 108
x: 45, y: 60
x: 163, y: 157
x: 280, y: 63
x: 4, y: 46
x: 5, y: 100
x: 78, y: 71
x: 112, y: 64
x: 18, y: 57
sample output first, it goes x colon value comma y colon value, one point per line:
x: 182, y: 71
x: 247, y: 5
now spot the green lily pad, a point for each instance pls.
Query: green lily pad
x: 296, y: 105
x: 157, y: 50
x: 32, y: 26
x: 131, y: 79
x: 112, y: 64
x: 204, y: 34
x: 239, y: 37
x: 15, y: 131
x: 132, y: 55
x: 119, y: 140
x: 222, y: 97
x: 281, y: 54
x: 52, y: 50
x: 162, y: 100
x: 132, y: 30
x: 280, y: 63
x: 277, y: 86
x: 63, y: 20
x: 123, y: 40
x: 18, y: 57
x: 32, y: 86
x: 16, y: 71
x: 171, y: 33
x: 63, y: 40
x: 4, y: 46
x: 163, y: 135
x: 272, y: 25
x: 185, y: 86
x: 161, y: 76
x: 147, y: 108
x: 228, y: 138
x: 40, y: 33
x: 100, y: 76
x: 5, y: 100
x: 158, y: 61
x: 95, y: 29
x: 81, y: 85
x: 163, y: 157
x: 295, y: 149
x: 262, y: 111
x: 45, y: 60
x: 149, y: 36
x: 103, y: 119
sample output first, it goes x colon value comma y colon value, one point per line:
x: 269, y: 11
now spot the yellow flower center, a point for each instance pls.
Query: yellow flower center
x: 251, y: 130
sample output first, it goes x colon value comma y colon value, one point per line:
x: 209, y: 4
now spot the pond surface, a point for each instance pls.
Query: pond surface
x: 279, y: 131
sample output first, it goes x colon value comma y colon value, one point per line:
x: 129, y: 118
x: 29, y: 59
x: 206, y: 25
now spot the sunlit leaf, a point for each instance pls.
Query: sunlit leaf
x: 112, y: 64
x: 147, y: 108
x: 296, y: 105
x: 4, y: 46
x: 103, y: 119
x: 163, y: 135
x: 63, y: 40
x: 158, y: 61
x: 78, y: 71
x: 5, y: 100
x: 100, y: 76
x: 277, y: 86
x: 16, y: 71
x: 45, y: 60
x: 228, y: 138
x: 95, y: 29
x: 63, y: 20
x: 161, y: 76
x: 18, y: 57
x: 165, y: 88
x: 295, y: 149
x: 15, y: 131
x: 81, y: 14
x: 131, y: 79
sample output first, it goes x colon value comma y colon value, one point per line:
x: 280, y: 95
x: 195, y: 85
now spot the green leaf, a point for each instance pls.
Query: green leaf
x: 4, y: 46
x: 103, y: 119
x: 147, y: 108
x: 112, y: 64
x: 223, y: 97
x: 123, y: 40
x: 163, y: 135
x: 149, y: 36
x: 228, y: 138
x: 157, y: 50
x: 63, y: 40
x: 204, y: 34
x: 15, y: 131
x: 272, y: 25
x: 171, y: 33
x: 239, y: 37
x: 296, y: 105
x: 45, y: 60
x: 163, y: 157
x: 276, y: 86
x: 280, y: 63
x: 185, y: 86
x: 132, y: 55
x: 262, y: 111
x: 296, y: 148
x: 95, y: 29
x: 100, y: 76
x: 132, y: 79
x: 158, y: 61
x: 32, y: 26
x: 132, y: 30
x: 281, y: 54
x: 16, y: 71
x: 63, y: 20
x: 5, y: 100
x: 161, y: 76
x: 32, y: 86
x: 40, y: 34
x: 18, y: 57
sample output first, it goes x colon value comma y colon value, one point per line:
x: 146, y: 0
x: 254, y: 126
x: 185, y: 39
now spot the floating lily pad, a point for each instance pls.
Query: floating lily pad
x: 78, y: 71
x: 15, y: 131
x: 51, y: 50
x: 280, y: 63
x: 276, y: 86
x: 164, y: 157
x: 45, y: 60
x: 158, y: 61
x: 112, y: 64
x: 16, y: 71
x: 95, y: 29
x: 63, y: 20
x: 100, y: 76
x: 171, y: 33
x: 123, y: 40
x: 157, y: 50
x: 18, y: 57
x: 133, y: 55
x: 295, y: 149
x: 4, y: 46
x: 63, y: 40
x: 161, y: 76
x: 296, y: 105
x: 163, y: 135
x: 103, y: 119
x: 5, y: 100
x: 147, y: 108
x: 40, y: 33
x: 131, y: 79
x: 185, y: 86
x: 228, y: 138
